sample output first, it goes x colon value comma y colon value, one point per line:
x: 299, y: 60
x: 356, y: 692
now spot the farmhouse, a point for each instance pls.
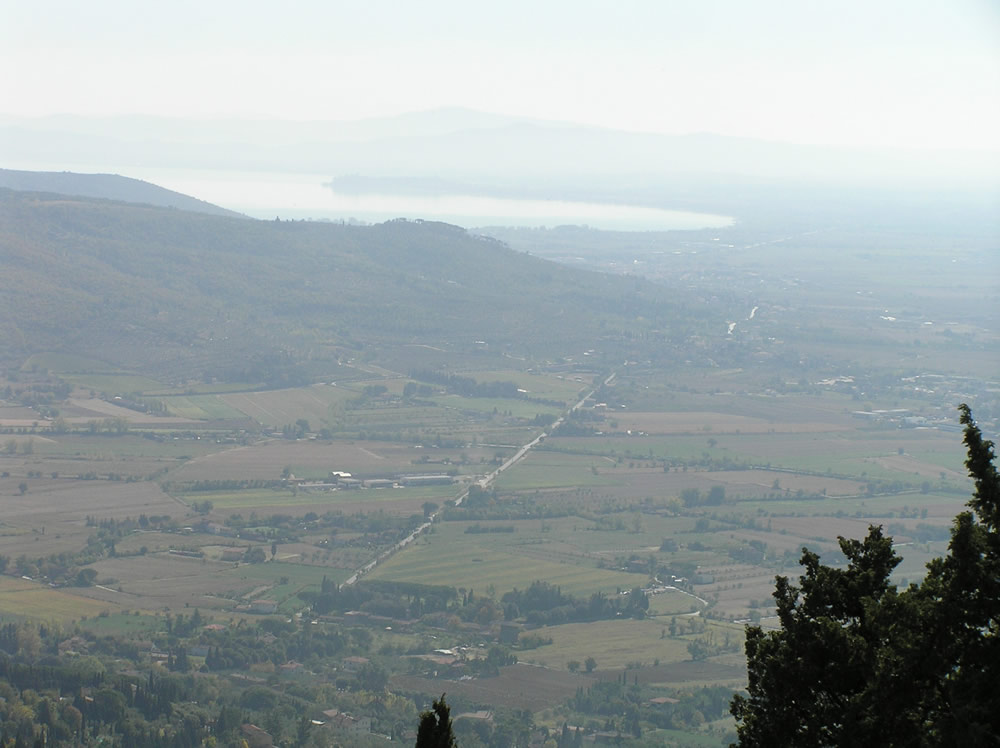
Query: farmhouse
x: 214, y: 528
x: 337, y: 720
x: 256, y: 737
x: 662, y: 700
x: 73, y: 646
x: 483, y: 715
x: 317, y: 486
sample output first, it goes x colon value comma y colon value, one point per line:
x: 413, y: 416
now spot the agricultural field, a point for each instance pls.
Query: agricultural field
x: 207, y: 407
x: 545, y: 469
x: 486, y: 407
x: 614, y: 496
x: 785, y: 473
x: 64, y: 363
x: 695, y: 490
x: 164, y: 581
x: 314, y: 459
x: 51, y: 515
x: 711, y: 422
x: 18, y: 417
x: 26, y: 599
x: 115, y: 384
x: 92, y: 412
x: 517, y: 686
x: 543, y: 385
x: 640, y: 646
x: 177, y: 446
x: 926, y: 452
x: 264, y: 501
x: 501, y: 561
x: 276, y: 408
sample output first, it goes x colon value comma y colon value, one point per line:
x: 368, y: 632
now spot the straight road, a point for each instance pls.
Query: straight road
x: 483, y: 483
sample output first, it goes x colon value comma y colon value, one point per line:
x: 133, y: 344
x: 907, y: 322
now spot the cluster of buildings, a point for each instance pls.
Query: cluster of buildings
x: 340, y: 480
x: 904, y: 418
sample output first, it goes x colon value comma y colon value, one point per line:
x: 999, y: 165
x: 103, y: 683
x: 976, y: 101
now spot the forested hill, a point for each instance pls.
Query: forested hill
x: 181, y: 294
x: 107, y: 186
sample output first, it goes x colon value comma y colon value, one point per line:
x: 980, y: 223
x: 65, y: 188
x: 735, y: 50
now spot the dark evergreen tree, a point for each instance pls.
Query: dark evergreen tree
x: 856, y: 662
x: 435, y: 727
x: 958, y: 653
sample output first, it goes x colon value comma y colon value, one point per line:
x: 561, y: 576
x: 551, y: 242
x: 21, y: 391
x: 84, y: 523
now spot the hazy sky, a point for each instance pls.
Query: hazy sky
x: 911, y: 73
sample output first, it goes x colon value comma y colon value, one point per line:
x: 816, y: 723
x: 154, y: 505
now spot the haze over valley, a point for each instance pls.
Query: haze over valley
x: 349, y: 360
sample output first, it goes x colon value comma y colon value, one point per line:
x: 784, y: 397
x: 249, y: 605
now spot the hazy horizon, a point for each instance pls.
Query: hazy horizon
x: 908, y: 75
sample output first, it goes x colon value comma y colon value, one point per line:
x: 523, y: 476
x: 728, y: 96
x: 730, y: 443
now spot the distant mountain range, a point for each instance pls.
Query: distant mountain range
x: 536, y: 158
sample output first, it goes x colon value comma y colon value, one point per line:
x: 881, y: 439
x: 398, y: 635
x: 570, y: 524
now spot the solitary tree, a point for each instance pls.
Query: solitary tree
x: 435, y: 727
x: 716, y: 495
x: 857, y: 662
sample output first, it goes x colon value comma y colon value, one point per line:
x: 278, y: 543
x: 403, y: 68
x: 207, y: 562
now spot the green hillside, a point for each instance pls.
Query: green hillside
x: 183, y: 295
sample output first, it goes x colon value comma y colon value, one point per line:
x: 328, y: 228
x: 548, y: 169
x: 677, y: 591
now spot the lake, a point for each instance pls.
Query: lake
x: 269, y: 195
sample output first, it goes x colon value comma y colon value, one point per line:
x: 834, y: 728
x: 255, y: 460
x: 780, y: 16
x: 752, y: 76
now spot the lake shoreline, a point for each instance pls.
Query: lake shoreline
x: 306, y: 196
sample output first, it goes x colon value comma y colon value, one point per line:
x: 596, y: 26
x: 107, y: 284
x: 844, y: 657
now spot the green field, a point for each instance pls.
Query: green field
x: 319, y: 404
x: 96, y: 449
x: 485, y: 406
x: 545, y: 386
x: 938, y: 505
x: 672, y: 603
x: 64, y: 363
x: 911, y: 458
x: 544, y: 469
x: 319, y: 501
x: 301, y: 574
x: 613, y: 644
x: 273, y: 575
x: 201, y: 407
x: 115, y: 384
x: 450, y: 556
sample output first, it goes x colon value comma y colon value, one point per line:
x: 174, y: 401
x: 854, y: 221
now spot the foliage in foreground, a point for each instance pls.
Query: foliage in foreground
x: 858, y: 662
x: 435, y: 727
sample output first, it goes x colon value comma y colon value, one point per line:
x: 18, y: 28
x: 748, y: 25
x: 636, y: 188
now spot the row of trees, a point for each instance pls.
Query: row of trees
x: 543, y: 603
x: 466, y: 386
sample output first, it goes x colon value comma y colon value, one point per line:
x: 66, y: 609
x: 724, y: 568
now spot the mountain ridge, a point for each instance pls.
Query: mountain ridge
x: 468, y: 144
x: 182, y: 294
x: 107, y: 187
